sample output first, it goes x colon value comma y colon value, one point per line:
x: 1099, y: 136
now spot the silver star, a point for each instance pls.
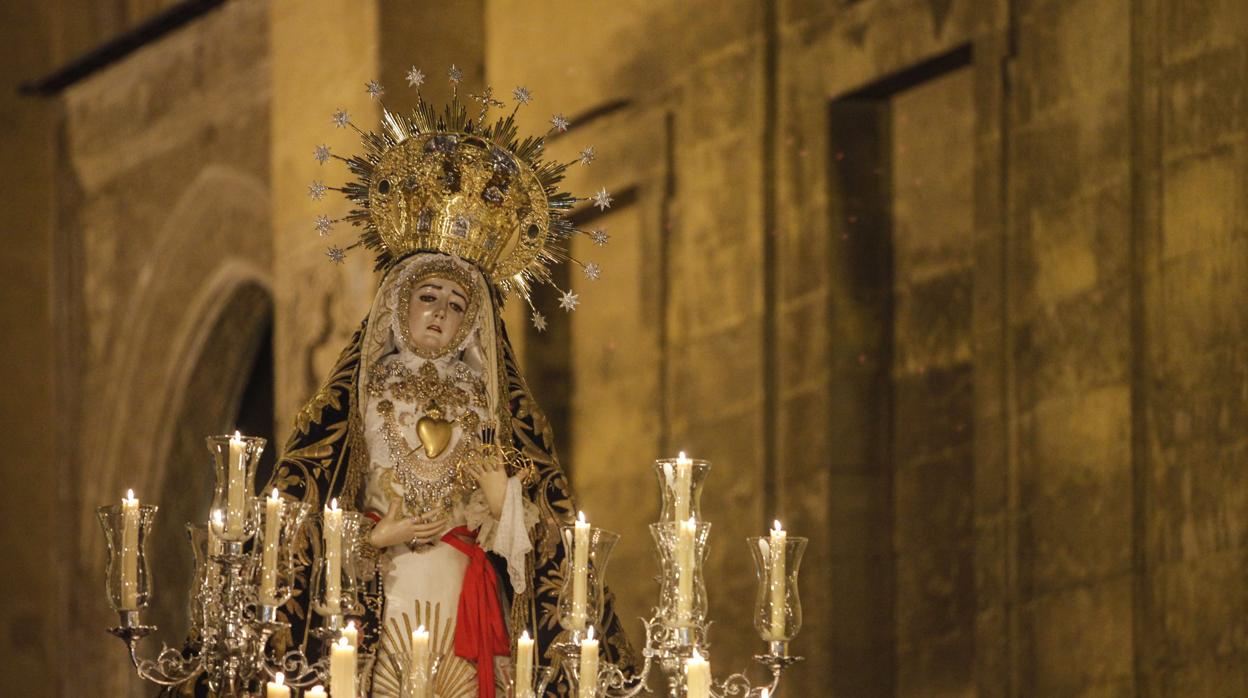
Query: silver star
x: 415, y: 78
x: 599, y: 236
x: 601, y: 199
x: 559, y: 123
x: 341, y: 118
x: 455, y: 74
x: 592, y: 271
x: 323, y: 225
x: 374, y: 89
x: 335, y: 254
x: 539, y: 321
x: 522, y: 95
x: 568, y: 301
x: 321, y: 154
x: 316, y: 190
x: 588, y: 155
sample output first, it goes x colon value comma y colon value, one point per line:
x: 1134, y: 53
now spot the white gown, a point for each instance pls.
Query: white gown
x: 422, y: 586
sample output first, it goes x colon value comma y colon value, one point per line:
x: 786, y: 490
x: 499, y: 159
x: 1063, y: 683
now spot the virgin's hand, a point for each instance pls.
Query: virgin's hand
x: 393, y: 529
x: 492, y: 477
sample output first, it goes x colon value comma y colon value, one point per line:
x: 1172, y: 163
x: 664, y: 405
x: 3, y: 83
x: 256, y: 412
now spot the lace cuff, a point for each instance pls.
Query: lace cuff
x: 477, y: 516
x: 508, y: 535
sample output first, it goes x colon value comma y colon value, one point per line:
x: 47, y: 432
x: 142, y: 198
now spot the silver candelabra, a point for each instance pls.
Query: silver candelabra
x: 676, y: 632
x: 245, y: 568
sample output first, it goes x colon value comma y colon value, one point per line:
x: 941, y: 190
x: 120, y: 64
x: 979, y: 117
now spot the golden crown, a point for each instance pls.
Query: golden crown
x: 443, y: 181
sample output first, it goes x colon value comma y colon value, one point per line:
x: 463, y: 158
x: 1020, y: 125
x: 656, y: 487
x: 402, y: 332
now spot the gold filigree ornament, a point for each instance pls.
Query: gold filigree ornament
x: 442, y: 181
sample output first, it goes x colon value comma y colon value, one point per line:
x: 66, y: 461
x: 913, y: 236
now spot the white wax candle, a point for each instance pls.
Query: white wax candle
x: 776, y: 581
x: 130, y: 552
x: 524, y: 666
x: 580, y: 571
x: 697, y: 677
x: 273, y: 507
x: 418, y: 665
x: 277, y: 688
x: 587, y: 686
x: 352, y: 634
x: 236, y: 490
x: 317, y: 691
x: 332, y: 536
x: 686, y: 533
x: 682, y: 486
x: 342, y: 670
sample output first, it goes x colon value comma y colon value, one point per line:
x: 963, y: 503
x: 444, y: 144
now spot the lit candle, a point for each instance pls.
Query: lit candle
x: 777, y: 588
x: 130, y: 552
x: 524, y: 666
x: 587, y: 686
x: 268, y: 569
x: 682, y: 487
x: 342, y: 670
x: 688, y: 529
x: 764, y: 693
x: 697, y: 677
x: 332, y: 535
x: 580, y: 571
x: 352, y: 634
x: 317, y: 691
x: 418, y: 665
x: 236, y: 490
x: 277, y: 688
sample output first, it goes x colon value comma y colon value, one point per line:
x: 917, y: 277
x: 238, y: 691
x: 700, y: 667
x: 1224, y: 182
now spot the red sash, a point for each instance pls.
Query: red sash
x: 479, y: 630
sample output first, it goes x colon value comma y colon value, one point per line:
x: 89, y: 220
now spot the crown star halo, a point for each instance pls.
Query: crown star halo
x: 437, y: 179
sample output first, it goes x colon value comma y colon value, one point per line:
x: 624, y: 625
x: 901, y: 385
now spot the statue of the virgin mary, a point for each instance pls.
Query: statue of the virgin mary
x: 426, y: 424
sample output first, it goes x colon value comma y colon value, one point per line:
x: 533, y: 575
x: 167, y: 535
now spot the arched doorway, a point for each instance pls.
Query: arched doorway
x: 229, y: 386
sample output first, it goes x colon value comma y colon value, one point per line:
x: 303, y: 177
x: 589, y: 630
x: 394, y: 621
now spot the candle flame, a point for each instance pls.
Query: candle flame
x: 681, y: 456
x: 333, y: 504
x: 420, y: 628
x: 350, y: 625
x: 274, y: 495
x: 697, y: 656
x: 589, y: 634
x: 342, y: 642
x: 776, y: 526
x: 765, y: 694
x: 525, y: 636
x: 279, y: 678
x: 129, y: 495
x: 238, y: 436
x: 580, y: 516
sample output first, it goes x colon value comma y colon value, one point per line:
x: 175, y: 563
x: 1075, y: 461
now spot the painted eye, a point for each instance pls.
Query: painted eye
x: 427, y: 298
x: 457, y: 307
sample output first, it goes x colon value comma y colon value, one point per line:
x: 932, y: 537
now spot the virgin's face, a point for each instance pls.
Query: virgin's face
x: 436, y: 312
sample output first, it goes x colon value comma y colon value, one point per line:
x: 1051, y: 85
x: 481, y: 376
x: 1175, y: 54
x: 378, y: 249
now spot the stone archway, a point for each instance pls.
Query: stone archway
x: 234, y: 364
x: 185, y: 338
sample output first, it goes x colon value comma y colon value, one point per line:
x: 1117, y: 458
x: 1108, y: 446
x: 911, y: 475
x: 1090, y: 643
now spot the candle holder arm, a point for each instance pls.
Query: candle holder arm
x: 613, y: 682
x: 170, y: 667
x: 739, y: 684
x: 297, y: 671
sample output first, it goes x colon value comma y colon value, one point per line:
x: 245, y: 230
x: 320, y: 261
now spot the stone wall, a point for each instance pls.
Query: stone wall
x: 163, y: 200
x: 951, y: 287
